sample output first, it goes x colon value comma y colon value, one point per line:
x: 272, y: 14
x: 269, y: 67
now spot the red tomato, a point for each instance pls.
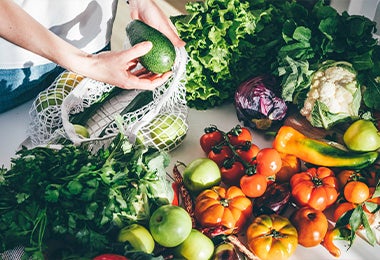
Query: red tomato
x: 219, y: 155
x: 210, y: 138
x: 253, y: 186
x: 248, y: 153
x: 268, y: 162
x: 110, y: 257
x: 315, y: 187
x: 232, y: 172
x: 239, y: 135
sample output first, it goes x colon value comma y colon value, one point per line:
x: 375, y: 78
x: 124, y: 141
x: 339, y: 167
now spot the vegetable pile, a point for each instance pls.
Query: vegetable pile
x: 230, y: 41
x: 72, y: 195
x: 296, y: 187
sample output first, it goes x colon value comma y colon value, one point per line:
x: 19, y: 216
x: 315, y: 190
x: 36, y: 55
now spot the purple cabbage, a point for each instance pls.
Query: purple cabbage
x: 256, y: 103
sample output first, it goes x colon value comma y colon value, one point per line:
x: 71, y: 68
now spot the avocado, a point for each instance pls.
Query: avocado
x: 161, y: 57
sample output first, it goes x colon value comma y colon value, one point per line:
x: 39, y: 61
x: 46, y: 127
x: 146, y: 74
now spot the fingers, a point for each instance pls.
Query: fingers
x: 138, y: 50
x: 146, y: 80
x: 171, y: 32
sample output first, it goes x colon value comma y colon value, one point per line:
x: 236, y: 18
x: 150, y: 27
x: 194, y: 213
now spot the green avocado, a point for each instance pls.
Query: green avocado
x: 161, y: 57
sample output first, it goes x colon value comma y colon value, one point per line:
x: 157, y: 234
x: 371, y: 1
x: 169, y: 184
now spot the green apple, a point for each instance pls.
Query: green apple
x: 167, y: 130
x: 138, y: 237
x: 81, y: 130
x: 196, y: 246
x: 170, y: 225
x: 363, y: 136
x: 201, y: 174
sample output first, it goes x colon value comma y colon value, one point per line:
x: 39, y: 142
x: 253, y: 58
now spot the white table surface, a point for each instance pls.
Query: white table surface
x: 13, y: 131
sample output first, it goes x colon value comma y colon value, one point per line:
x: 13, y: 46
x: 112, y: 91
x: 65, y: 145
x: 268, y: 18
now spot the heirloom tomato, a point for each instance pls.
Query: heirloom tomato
x: 239, y: 136
x: 220, y: 207
x: 268, y: 162
x: 272, y: 237
x: 248, y: 152
x: 210, y: 138
x: 220, y: 154
x: 315, y: 187
x: 311, y: 225
x: 231, y: 172
x: 253, y: 186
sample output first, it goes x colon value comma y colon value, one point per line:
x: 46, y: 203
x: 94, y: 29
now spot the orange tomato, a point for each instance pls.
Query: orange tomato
x: 311, y: 225
x: 315, y: 187
x: 220, y: 207
x: 253, y: 186
x: 290, y: 166
x: 356, y: 192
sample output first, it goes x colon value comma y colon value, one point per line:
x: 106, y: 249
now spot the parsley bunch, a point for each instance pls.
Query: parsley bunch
x: 78, y: 198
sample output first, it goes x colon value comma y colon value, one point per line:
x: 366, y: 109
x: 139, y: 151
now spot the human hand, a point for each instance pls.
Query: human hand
x: 149, y: 12
x: 119, y: 68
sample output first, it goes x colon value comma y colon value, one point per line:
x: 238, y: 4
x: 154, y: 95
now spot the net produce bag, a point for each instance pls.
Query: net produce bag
x: 81, y: 110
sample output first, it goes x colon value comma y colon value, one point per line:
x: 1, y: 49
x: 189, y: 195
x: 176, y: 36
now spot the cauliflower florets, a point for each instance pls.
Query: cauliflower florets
x: 335, y: 88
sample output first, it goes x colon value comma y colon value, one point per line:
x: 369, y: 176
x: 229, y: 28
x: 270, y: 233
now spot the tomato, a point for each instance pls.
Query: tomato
x: 254, y: 185
x: 311, y: 225
x: 210, y: 138
x: 268, y: 162
x: 223, y: 207
x: 356, y: 192
x: 290, y: 165
x: 110, y: 257
x: 315, y: 187
x: 219, y: 155
x: 239, y: 136
x: 248, y: 152
x: 272, y: 237
x: 231, y: 172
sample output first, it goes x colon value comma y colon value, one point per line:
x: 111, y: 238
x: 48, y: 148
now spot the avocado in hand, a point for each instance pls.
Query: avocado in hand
x: 161, y: 57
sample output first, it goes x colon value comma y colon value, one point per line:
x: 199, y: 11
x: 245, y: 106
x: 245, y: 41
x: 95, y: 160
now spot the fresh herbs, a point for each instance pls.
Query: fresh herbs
x: 79, y: 197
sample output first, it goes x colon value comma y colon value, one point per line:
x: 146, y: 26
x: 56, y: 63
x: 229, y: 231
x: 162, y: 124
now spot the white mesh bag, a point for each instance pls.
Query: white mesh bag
x: 161, y: 122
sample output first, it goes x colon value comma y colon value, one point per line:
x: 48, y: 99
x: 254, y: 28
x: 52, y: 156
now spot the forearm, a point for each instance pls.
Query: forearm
x: 21, y: 29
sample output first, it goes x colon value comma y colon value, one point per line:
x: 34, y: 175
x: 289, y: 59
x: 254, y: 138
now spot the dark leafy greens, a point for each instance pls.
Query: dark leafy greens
x: 229, y: 41
x: 78, y: 197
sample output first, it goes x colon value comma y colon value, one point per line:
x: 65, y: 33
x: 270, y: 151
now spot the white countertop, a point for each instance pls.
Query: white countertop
x: 13, y: 132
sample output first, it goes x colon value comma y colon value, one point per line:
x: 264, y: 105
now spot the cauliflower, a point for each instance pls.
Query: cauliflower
x: 334, y: 95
